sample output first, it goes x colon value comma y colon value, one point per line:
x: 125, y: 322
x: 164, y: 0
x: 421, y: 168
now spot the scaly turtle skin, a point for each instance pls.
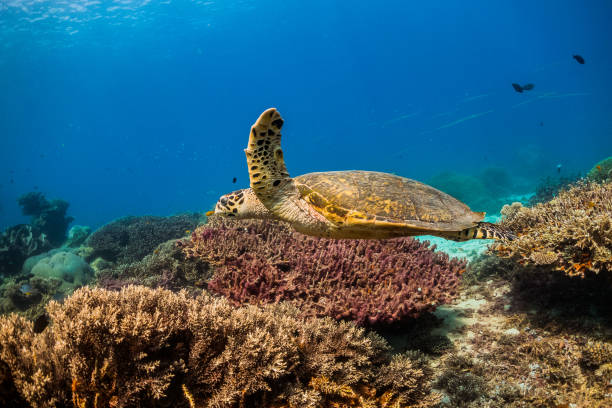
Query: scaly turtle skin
x: 345, y: 204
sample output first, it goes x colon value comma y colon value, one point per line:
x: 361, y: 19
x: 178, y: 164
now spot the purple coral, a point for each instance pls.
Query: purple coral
x: 370, y: 282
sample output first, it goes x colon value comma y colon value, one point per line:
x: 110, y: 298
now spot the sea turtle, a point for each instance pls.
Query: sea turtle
x: 345, y: 204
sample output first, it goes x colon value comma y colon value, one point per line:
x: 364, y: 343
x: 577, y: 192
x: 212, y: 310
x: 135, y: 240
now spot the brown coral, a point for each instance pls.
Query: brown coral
x: 145, y: 347
x: 596, y: 354
x: 572, y: 232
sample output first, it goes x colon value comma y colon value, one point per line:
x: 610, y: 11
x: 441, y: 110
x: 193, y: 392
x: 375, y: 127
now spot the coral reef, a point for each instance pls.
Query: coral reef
x: 129, y: 239
x: 367, y: 281
x: 496, y: 181
x: 28, y: 295
x: 466, y: 188
x: 549, y: 188
x: 51, y: 275
x: 461, y: 379
x: 71, y: 270
x: 18, y: 243
x: 77, y: 236
x: 145, y: 347
x: 572, y: 232
x: 49, y: 216
x: 602, y: 171
x: 486, y: 191
x: 166, y: 267
x: 527, y: 343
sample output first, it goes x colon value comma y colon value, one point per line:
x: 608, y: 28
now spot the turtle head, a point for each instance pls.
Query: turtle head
x: 241, y: 204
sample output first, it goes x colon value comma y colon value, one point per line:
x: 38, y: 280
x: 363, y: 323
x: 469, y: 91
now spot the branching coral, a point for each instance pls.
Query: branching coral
x: 145, y: 347
x: 461, y: 379
x: 549, y: 188
x: 129, y: 239
x: 369, y: 282
x: 49, y: 216
x: 572, y: 232
x: 596, y: 354
x: 37, y: 363
x: 165, y: 267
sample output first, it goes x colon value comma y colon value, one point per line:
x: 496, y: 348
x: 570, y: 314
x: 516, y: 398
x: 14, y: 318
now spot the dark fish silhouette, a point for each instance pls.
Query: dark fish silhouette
x: 579, y: 59
x: 520, y: 89
x: 234, y: 180
x: 541, y: 123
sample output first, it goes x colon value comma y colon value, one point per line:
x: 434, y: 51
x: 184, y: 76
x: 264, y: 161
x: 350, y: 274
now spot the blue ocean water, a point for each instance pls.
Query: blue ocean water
x: 144, y: 107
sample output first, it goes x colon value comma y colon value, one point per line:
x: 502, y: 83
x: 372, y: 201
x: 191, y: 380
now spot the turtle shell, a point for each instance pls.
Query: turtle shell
x: 367, y: 199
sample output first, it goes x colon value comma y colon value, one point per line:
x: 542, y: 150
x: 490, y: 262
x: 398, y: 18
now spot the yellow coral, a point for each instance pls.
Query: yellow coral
x: 188, y: 396
x: 572, y: 232
x: 597, y: 353
x: 325, y: 386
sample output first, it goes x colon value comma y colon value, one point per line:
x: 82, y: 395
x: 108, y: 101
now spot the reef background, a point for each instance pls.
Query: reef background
x: 122, y: 122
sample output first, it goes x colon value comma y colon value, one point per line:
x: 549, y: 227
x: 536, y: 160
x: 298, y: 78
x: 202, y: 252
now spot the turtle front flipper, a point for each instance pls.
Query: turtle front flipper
x: 267, y: 170
x: 271, y: 182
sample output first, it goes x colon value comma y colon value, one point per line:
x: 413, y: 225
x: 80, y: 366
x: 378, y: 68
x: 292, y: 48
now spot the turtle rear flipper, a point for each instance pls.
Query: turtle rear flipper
x: 482, y: 230
x: 267, y: 171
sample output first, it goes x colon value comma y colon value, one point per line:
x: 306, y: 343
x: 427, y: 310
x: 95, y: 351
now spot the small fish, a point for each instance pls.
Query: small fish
x: 598, y: 167
x: 559, y: 168
x: 578, y: 58
x: 520, y: 89
x: 156, y: 251
x: 209, y: 213
x: 541, y: 123
x: 26, y: 289
x: 12, y: 181
x: 187, y: 231
x: 234, y: 180
x: 590, y: 204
